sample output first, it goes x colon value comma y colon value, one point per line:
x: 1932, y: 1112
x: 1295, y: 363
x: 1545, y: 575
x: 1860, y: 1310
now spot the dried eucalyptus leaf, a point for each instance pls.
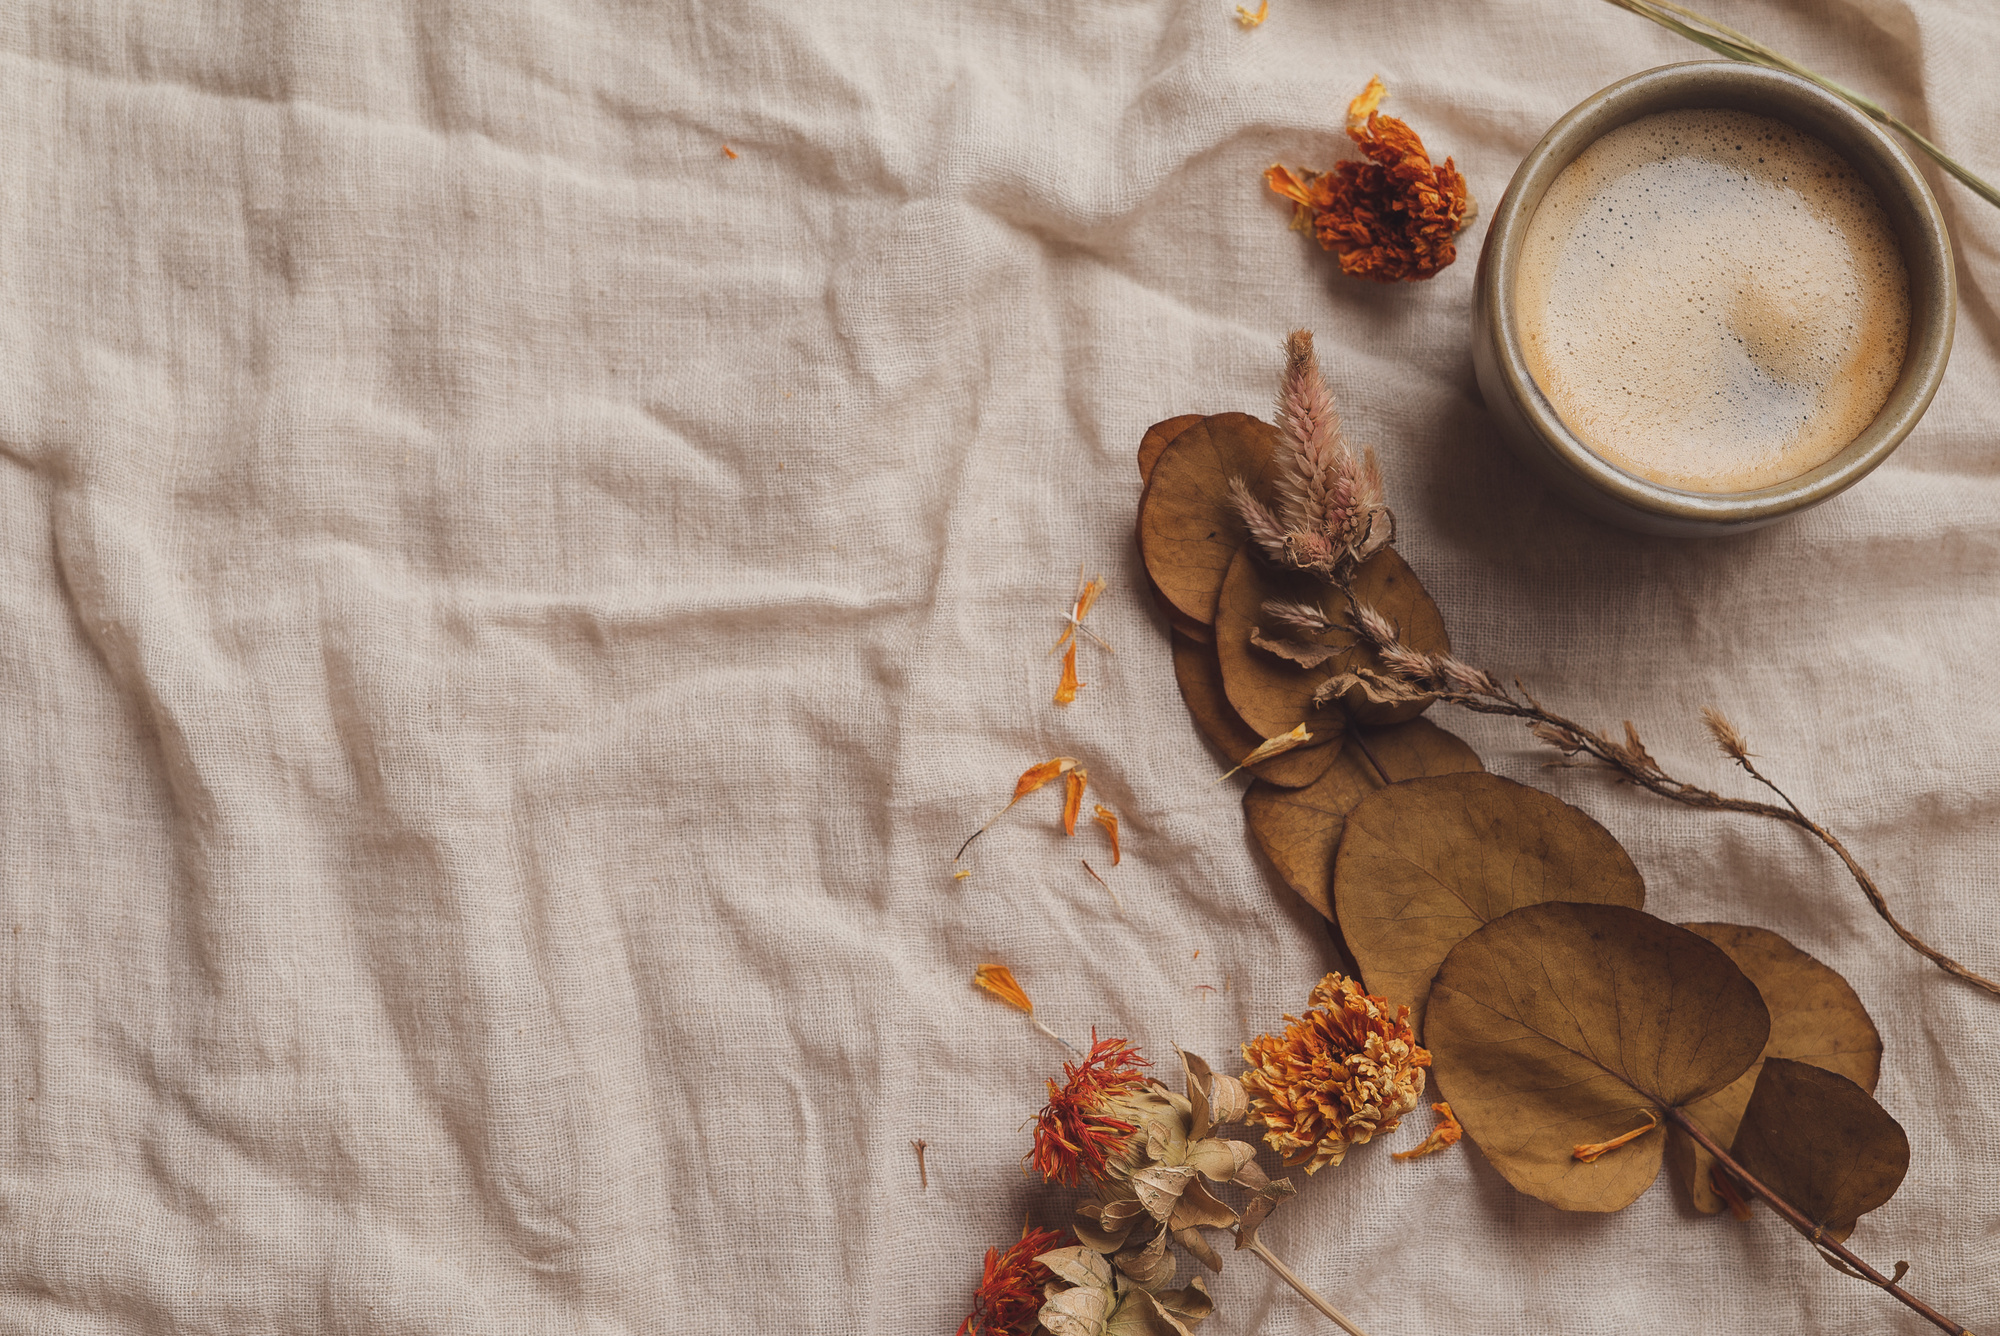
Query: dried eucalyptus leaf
x: 1265, y: 689
x: 1078, y: 1312
x: 1189, y: 528
x: 1180, y: 622
x: 1200, y: 680
x: 1815, y: 1017
x: 1822, y: 1143
x: 1424, y: 863
x: 1150, y: 1266
x: 1260, y: 1205
x: 1563, y: 1024
x: 1159, y: 1188
x: 1300, y: 828
x: 1199, y: 1206
x: 1158, y: 437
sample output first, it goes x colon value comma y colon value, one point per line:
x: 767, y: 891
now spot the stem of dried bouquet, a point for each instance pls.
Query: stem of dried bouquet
x: 1412, y: 674
x: 1727, y: 41
x: 1833, y: 1250
x: 1305, y: 1291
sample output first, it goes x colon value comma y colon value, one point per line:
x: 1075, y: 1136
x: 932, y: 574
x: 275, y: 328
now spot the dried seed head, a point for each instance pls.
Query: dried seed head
x: 1305, y: 618
x: 1374, y: 625
x: 1734, y: 745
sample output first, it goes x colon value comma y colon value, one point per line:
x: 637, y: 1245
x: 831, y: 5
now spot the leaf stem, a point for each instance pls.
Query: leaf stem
x: 1798, y: 1220
x: 1368, y: 753
x: 1305, y: 1291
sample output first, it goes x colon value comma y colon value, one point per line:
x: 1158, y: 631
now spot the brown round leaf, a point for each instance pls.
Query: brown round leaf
x: 1423, y: 864
x: 1182, y: 623
x: 1265, y: 688
x: 1300, y: 828
x: 1564, y: 1024
x: 1822, y: 1143
x: 1201, y: 687
x: 1188, y: 526
x: 1158, y: 437
x: 1815, y: 1018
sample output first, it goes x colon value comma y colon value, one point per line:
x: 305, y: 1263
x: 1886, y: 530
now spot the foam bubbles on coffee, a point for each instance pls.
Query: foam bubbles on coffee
x: 1712, y: 300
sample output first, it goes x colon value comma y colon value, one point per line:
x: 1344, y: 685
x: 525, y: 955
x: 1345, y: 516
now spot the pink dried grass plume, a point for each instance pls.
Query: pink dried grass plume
x: 1330, y: 508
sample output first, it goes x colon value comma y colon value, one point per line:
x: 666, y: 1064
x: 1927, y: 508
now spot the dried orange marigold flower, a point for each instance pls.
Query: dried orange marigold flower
x: 1390, y: 218
x: 1091, y: 1114
x: 1010, y: 1292
x: 1341, y: 1073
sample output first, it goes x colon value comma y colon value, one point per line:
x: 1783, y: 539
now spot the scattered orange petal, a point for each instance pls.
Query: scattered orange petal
x: 1597, y: 1149
x: 1073, y: 798
x: 1250, y: 20
x: 1362, y: 107
x: 1031, y: 779
x: 1270, y: 747
x: 1087, y: 597
x: 999, y: 981
x: 961, y: 874
x: 1037, y: 775
x: 1067, y: 688
x: 1108, y: 819
x: 1442, y: 1137
x: 728, y: 152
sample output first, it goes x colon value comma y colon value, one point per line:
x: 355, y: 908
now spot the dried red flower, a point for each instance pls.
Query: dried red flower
x: 1010, y: 1292
x: 1390, y: 218
x: 1079, y: 1128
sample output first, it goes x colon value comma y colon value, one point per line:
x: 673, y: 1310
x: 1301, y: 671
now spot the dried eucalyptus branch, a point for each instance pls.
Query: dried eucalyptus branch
x: 1727, y: 41
x: 1413, y: 675
x: 1814, y: 1235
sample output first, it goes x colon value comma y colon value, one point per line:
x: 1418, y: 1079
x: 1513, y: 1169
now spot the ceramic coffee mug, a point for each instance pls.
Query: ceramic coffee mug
x: 1523, y: 415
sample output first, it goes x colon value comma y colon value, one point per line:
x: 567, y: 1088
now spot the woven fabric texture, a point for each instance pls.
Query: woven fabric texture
x: 529, y: 533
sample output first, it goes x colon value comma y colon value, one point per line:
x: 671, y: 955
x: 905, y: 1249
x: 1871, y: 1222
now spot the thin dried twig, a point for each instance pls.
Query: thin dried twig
x: 923, y: 1175
x: 1835, y: 1252
x: 1414, y: 675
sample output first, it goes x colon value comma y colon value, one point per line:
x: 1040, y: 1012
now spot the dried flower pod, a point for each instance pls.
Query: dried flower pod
x: 1391, y: 218
x: 1345, y: 1071
x: 1010, y: 1292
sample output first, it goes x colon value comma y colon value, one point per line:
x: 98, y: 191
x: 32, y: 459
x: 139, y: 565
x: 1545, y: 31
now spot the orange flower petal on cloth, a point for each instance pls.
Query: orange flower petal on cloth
x: 1444, y: 1136
x: 999, y: 981
x: 1067, y: 688
x: 1108, y: 819
x: 1073, y: 798
x: 1037, y: 775
x: 1250, y: 19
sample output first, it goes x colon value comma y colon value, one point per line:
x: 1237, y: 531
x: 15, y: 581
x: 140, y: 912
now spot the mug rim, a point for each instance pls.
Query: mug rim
x: 1874, y: 154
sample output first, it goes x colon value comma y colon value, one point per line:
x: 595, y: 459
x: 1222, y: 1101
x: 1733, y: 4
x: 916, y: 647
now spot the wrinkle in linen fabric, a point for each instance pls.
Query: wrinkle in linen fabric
x: 508, y: 611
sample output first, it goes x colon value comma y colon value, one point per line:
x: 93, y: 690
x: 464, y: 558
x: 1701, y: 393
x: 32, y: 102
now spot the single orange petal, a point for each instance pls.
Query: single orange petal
x: 1270, y: 747
x: 1251, y: 20
x: 1108, y: 819
x: 1067, y: 688
x: 1362, y: 107
x: 1282, y: 181
x: 1596, y: 1149
x: 999, y: 981
x: 1073, y: 798
x: 1444, y: 1135
x: 1725, y: 1187
x: 1037, y: 775
x: 1087, y: 596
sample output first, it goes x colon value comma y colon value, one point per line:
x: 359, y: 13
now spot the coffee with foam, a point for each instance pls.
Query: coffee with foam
x: 1712, y: 300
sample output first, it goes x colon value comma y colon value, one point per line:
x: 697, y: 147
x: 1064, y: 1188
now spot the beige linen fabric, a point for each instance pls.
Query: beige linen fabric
x: 506, y: 612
